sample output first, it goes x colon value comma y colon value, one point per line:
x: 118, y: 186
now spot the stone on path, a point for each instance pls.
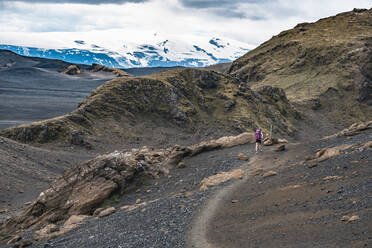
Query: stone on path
x: 180, y: 165
x: 257, y: 171
x: 348, y: 219
x: 345, y: 218
x: 243, y: 157
x: 354, y: 218
x: 220, y: 178
x: 280, y: 148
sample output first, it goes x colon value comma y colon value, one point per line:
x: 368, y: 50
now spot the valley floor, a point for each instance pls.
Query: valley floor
x: 297, y: 207
x: 172, y: 203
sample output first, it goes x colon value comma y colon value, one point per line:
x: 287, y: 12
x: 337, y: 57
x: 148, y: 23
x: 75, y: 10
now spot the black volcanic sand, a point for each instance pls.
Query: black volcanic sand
x: 31, y: 91
x: 271, y: 212
x: 164, y: 222
x: 25, y: 171
x: 298, y: 207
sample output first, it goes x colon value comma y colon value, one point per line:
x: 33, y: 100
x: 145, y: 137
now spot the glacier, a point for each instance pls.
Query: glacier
x: 159, y: 51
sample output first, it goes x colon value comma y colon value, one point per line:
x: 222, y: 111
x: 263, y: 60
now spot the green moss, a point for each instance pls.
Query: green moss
x: 111, y: 201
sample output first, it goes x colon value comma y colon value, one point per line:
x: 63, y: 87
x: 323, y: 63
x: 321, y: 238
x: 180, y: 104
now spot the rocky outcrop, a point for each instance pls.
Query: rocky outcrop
x: 364, y: 79
x: 75, y: 70
x: 51, y: 231
x: 80, y: 190
x: 101, y: 68
x: 273, y: 141
x: 72, y: 70
x: 354, y: 129
x: 330, y: 152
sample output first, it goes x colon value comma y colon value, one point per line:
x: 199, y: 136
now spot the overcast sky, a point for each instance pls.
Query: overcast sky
x: 248, y: 21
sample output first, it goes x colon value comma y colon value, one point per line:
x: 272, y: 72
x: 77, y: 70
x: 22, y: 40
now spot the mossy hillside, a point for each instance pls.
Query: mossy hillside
x: 308, y: 60
x: 230, y: 102
x: 186, y: 99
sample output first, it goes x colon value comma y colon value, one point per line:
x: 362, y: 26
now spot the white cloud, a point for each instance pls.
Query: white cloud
x: 248, y: 21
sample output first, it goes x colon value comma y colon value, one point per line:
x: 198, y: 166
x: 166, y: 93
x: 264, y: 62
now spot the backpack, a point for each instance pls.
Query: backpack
x: 258, y: 135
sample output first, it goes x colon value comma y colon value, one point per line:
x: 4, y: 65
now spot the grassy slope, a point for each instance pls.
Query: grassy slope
x: 189, y: 100
x: 321, y: 60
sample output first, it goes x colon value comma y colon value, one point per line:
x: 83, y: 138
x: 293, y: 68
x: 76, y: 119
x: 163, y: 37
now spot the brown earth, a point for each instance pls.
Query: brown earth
x: 327, y: 205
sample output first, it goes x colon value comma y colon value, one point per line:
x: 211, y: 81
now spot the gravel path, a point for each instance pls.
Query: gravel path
x: 299, y: 207
x: 165, y: 221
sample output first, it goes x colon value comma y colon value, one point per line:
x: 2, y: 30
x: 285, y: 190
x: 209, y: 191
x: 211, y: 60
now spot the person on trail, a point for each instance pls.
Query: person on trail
x: 259, y: 137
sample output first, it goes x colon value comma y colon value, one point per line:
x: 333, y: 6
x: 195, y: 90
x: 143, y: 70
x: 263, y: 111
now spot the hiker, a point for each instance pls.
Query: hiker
x: 259, y: 137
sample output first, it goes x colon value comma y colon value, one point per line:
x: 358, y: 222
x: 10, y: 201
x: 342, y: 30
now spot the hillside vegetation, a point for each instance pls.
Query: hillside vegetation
x: 191, y: 101
x: 325, y: 65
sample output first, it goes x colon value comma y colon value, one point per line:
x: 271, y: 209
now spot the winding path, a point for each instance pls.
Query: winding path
x: 297, y: 207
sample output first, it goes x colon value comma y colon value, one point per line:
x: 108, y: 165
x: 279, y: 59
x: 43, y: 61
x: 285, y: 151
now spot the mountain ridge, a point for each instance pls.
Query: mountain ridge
x: 192, y: 101
x: 157, y: 52
x: 324, y: 65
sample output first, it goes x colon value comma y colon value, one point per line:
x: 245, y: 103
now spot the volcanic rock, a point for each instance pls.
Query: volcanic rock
x: 220, y: 178
x: 106, y: 212
x: 84, y: 187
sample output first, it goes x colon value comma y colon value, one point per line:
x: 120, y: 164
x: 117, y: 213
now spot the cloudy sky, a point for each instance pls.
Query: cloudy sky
x: 248, y: 21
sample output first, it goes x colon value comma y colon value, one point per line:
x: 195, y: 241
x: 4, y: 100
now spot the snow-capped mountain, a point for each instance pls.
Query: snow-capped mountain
x: 157, y: 51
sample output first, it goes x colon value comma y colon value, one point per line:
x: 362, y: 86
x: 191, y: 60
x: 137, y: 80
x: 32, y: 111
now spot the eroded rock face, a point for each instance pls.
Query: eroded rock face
x: 330, y: 152
x: 365, y: 79
x: 354, y: 129
x: 80, y: 190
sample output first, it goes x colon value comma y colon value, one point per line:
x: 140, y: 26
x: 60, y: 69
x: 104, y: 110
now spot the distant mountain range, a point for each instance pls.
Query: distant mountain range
x: 159, y: 51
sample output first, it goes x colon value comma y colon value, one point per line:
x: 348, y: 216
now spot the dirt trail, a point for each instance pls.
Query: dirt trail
x: 268, y: 160
x: 297, y: 207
